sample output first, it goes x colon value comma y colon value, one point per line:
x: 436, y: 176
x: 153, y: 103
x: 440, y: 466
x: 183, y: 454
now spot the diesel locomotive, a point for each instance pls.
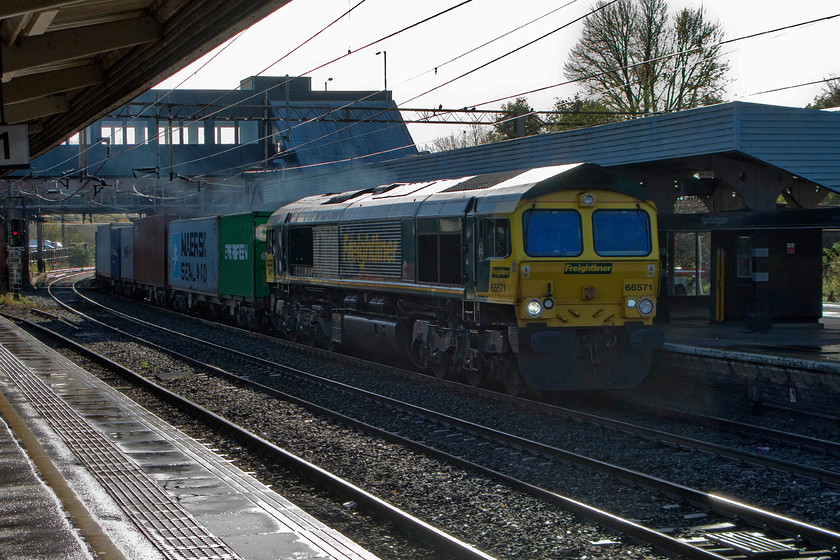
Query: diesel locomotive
x: 544, y: 279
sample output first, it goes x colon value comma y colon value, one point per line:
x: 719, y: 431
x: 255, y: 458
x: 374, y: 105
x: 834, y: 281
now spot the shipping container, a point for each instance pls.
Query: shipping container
x: 194, y: 255
x: 116, y: 254
x: 150, y: 250
x: 126, y: 253
x: 242, y: 256
x: 108, y: 250
x: 103, y: 251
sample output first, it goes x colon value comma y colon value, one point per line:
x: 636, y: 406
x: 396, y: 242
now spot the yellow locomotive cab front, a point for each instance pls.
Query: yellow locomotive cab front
x: 588, y: 277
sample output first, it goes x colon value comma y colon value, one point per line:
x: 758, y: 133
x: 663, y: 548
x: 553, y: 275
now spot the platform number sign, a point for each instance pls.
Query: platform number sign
x: 14, y: 146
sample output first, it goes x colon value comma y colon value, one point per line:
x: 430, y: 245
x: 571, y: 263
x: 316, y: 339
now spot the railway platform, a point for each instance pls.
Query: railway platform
x: 87, y: 473
x: 794, y: 366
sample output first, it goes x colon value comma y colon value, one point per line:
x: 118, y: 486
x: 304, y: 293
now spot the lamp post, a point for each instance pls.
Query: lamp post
x: 325, y: 83
x: 384, y: 68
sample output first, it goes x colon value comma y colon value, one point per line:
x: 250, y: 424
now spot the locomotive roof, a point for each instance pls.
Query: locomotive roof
x: 493, y: 193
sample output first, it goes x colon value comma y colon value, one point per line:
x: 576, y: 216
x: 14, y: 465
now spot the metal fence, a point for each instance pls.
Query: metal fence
x: 52, y: 258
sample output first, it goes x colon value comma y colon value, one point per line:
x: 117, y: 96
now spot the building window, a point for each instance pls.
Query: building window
x: 112, y: 132
x: 193, y: 133
x: 136, y: 134
x: 225, y: 133
x: 249, y: 132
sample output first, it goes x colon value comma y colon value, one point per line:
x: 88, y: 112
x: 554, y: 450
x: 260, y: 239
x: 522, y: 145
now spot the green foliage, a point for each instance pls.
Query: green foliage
x: 830, y: 97
x: 79, y: 256
x: 831, y: 272
x: 73, y: 233
x: 576, y: 113
x: 831, y: 199
x: 8, y: 300
x: 516, y: 121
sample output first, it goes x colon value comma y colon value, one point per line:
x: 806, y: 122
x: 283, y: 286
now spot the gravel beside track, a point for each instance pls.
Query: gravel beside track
x: 795, y: 497
x: 496, y: 519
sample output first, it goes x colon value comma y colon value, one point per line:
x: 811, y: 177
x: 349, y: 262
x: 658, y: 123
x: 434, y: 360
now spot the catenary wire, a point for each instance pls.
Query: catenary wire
x: 670, y: 55
x: 568, y: 82
x: 411, y: 26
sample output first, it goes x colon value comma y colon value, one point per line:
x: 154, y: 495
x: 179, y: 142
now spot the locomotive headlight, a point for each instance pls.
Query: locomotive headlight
x: 534, y: 308
x: 631, y: 303
x: 646, y: 306
x: 548, y: 303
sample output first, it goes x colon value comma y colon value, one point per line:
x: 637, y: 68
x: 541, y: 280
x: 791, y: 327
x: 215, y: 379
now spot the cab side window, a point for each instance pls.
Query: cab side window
x: 496, y: 235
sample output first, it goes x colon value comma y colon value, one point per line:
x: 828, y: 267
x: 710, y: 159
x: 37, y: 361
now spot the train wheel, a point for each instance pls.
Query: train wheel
x: 442, y: 366
x: 308, y: 337
x: 476, y: 377
x: 418, y: 356
x: 515, y: 384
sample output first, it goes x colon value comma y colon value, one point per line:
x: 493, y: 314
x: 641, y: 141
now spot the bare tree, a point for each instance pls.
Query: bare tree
x: 473, y: 136
x: 634, y: 58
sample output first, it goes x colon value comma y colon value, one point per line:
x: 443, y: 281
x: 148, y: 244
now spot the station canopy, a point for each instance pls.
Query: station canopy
x: 736, y: 156
x: 65, y: 63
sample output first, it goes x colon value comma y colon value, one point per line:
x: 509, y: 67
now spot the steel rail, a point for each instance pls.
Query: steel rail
x: 633, y: 530
x: 726, y: 507
x: 790, y: 439
x: 407, y: 522
x: 825, y: 476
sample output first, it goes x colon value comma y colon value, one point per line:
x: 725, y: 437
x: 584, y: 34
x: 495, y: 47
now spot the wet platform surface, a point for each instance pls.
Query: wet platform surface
x: 148, y: 490
x: 817, y: 343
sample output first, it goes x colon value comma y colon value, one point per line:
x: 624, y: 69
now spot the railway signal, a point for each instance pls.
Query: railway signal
x: 17, y: 233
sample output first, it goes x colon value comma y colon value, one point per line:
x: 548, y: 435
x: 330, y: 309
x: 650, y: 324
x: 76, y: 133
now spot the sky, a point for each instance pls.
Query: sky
x: 421, y: 59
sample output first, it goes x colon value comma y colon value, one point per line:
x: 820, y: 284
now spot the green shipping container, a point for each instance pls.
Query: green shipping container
x: 242, y: 256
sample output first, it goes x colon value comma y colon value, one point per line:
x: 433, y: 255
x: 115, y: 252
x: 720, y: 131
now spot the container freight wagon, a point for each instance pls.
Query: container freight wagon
x: 218, y: 264
x: 242, y: 285
x: 108, y: 253
x: 150, y: 242
x: 103, y: 252
x: 127, y: 256
x: 194, y: 258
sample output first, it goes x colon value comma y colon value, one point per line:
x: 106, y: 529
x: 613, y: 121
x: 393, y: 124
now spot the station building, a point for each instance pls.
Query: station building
x: 739, y: 188
x: 199, y: 149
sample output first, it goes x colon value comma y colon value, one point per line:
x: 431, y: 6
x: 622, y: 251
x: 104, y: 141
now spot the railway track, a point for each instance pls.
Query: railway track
x: 523, y: 452
x: 824, y: 475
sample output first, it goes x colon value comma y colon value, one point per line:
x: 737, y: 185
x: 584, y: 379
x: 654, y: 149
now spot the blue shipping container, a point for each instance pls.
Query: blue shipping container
x: 194, y: 255
x: 127, y: 253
